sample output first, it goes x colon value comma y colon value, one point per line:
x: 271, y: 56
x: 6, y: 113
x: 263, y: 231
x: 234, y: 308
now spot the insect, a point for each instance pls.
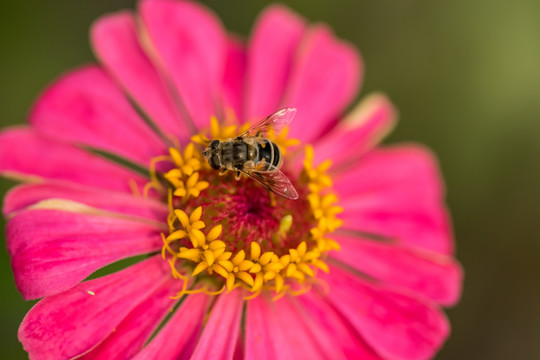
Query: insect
x: 254, y: 155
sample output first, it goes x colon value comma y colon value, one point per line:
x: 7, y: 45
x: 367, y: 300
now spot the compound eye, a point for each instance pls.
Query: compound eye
x: 214, y: 144
x: 215, y: 163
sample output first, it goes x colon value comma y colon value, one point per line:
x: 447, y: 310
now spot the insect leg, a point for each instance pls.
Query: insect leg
x: 272, y: 199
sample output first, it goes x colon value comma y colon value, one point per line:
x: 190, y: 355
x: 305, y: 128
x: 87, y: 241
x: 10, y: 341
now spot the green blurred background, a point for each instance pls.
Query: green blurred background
x: 465, y: 77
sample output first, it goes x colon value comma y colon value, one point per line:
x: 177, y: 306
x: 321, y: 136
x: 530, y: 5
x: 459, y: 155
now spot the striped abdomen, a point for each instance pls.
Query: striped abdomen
x: 269, y: 152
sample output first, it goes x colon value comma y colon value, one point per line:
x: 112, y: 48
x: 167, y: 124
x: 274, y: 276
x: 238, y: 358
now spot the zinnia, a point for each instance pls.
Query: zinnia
x: 356, y: 268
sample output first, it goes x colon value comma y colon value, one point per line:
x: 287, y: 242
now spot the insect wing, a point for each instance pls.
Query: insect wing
x: 273, y: 180
x: 273, y: 123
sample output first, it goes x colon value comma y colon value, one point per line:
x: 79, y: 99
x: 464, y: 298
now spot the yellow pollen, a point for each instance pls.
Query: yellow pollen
x: 203, y: 257
x: 317, y: 178
x: 282, y: 141
x: 218, y: 132
x: 185, y: 176
x: 285, y: 225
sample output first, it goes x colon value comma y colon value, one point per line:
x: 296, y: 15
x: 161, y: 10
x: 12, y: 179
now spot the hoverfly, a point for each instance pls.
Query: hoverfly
x: 254, y: 155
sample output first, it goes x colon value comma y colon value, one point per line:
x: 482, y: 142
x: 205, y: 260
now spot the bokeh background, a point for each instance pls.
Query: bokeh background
x: 465, y: 76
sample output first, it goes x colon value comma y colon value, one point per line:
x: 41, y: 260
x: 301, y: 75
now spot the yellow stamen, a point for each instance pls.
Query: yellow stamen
x: 196, y: 252
x: 285, y: 225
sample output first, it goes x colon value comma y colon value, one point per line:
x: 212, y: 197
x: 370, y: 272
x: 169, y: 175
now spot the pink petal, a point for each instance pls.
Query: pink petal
x: 220, y: 334
x: 23, y: 196
x: 51, y: 250
x: 426, y: 273
x: 397, y: 193
x: 22, y: 155
x: 116, y: 43
x: 353, y: 346
x: 191, y: 43
x: 135, y: 330
x: 358, y: 132
x: 72, y: 323
x: 282, y: 330
x: 85, y: 106
x: 233, y: 78
x: 261, y: 343
x: 179, y: 336
x: 394, y: 324
x: 271, y: 49
x: 324, y: 79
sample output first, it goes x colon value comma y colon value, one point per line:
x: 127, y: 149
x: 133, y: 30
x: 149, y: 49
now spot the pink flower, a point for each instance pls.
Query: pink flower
x: 356, y: 268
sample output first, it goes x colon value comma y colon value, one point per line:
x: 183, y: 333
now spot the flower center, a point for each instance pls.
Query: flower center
x: 250, y: 213
x: 226, y: 233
